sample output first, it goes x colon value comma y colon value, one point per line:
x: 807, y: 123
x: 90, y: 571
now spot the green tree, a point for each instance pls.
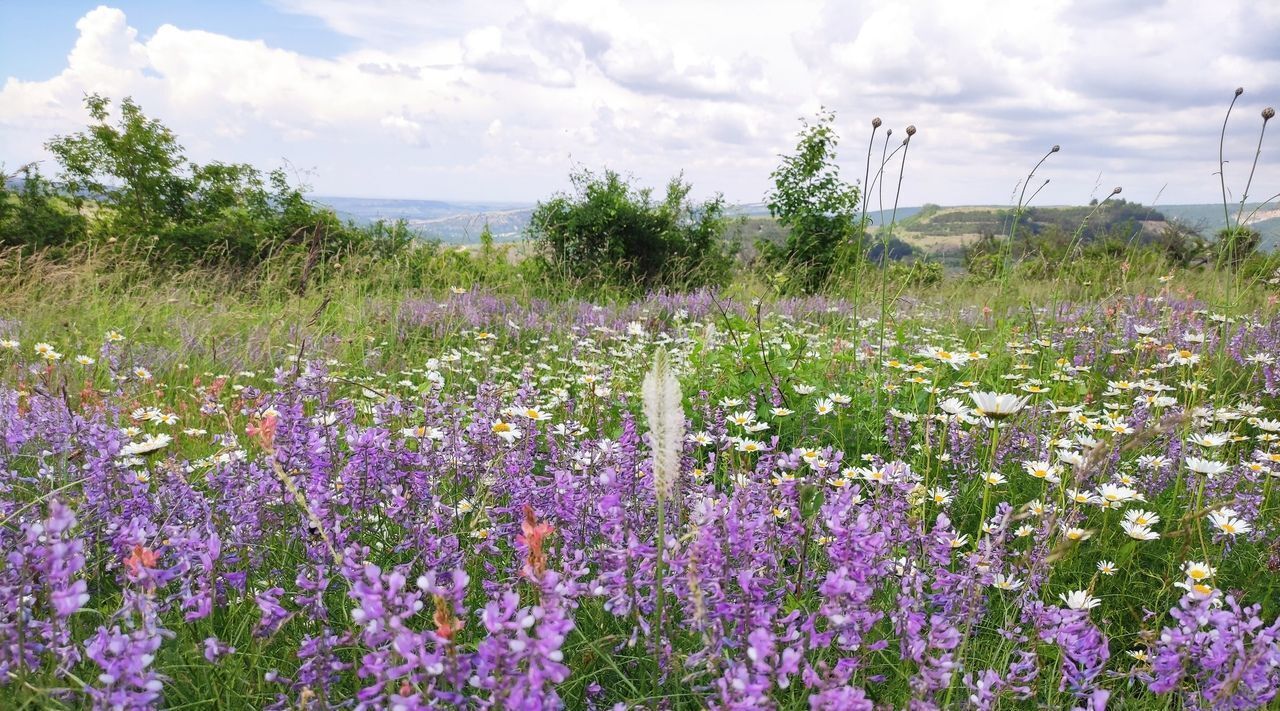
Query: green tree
x: 819, y: 210
x: 135, y: 166
x: 217, y: 213
x: 1236, y: 244
x: 608, y: 230
x: 34, y: 215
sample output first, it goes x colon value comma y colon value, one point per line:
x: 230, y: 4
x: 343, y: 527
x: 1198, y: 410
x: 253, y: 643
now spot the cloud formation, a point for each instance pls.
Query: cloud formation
x: 453, y: 100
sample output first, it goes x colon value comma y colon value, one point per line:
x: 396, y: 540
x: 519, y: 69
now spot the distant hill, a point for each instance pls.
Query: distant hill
x: 930, y: 228
x: 945, y: 230
x: 877, y: 217
x: 450, y: 222
x: 1209, y: 218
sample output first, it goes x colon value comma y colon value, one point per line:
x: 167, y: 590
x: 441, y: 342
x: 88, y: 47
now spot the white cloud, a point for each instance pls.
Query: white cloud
x: 407, y: 130
x: 463, y: 100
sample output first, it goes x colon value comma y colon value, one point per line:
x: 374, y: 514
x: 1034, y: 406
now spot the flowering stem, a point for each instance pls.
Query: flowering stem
x: 1204, y: 547
x: 1222, y: 175
x: 658, y: 592
x: 986, y: 486
x: 1177, y: 489
x: 986, y: 497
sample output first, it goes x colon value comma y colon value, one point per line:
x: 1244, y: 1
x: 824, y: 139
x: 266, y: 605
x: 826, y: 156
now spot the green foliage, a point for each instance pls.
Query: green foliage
x: 35, y: 217
x: 1085, y: 222
x: 983, y: 258
x: 128, y: 190
x: 1049, y: 245
x: 180, y: 213
x: 900, y: 274
x: 896, y: 248
x: 1088, y: 223
x: 134, y: 166
x: 819, y: 209
x: 1234, y: 245
x: 609, y: 231
x: 1180, y: 244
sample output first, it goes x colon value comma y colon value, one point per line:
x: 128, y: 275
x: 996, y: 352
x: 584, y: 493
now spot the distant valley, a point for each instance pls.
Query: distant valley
x: 462, y: 222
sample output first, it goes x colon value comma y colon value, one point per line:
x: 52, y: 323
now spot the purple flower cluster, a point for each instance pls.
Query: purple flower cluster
x: 1217, y: 655
x: 482, y: 531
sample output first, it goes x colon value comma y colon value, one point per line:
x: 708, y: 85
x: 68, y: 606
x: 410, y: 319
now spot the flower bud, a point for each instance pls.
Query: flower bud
x: 1239, y: 90
x: 875, y: 122
x: 911, y: 130
x: 1268, y: 113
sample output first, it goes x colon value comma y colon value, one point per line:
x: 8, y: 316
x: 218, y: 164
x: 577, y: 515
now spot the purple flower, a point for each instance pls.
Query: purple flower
x: 215, y: 649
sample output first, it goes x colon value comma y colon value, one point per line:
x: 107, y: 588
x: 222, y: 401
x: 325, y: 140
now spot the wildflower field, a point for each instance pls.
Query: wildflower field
x: 462, y: 499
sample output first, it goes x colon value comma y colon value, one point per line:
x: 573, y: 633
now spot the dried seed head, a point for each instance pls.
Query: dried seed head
x: 888, y: 132
x: 1055, y: 148
x: 1239, y: 90
x: 661, y: 400
x: 1115, y: 190
x: 875, y: 122
x: 911, y: 130
x: 1268, y: 113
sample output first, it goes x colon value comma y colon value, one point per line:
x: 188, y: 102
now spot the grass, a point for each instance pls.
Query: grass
x: 188, y: 327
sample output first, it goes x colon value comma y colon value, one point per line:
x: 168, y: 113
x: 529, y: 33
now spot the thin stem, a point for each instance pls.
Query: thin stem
x: 1031, y: 175
x: 862, y: 218
x: 658, y: 607
x: 1204, y: 547
x: 884, y: 151
x: 986, y: 486
x: 1075, y: 238
x: 867, y: 173
x: 1257, y: 154
x: 1222, y: 172
x: 1023, y: 201
x: 1261, y: 205
x: 884, y: 243
x: 1037, y: 192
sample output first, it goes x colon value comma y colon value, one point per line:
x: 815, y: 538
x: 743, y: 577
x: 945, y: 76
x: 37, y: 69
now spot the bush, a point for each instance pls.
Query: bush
x: 819, y: 210
x: 176, y: 213
x: 35, y: 216
x: 915, y: 274
x: 608, y: 231
x: 983, y: 258
x: 1181, y: 244
x: 1234, y: 245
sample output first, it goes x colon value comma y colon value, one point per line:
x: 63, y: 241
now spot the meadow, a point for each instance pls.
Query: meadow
x: 966, y: 496
x: 254, y: 456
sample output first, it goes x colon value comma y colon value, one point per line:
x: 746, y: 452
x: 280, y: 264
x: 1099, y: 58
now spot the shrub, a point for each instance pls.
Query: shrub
x: 178, y: 213
x: 35, y: 216
x: 610, y: 231
x: 1234, y: 245
x: 915, y: 274
x: 983, y: 258
x: 819, y: 210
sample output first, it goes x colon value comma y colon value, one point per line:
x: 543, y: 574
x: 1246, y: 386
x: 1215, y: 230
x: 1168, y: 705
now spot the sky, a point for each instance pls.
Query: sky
x: 500, y: 100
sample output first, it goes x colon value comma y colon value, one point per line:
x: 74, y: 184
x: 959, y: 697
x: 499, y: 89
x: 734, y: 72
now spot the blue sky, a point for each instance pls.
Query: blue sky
x: 36, y: 36
x: 447, y: 99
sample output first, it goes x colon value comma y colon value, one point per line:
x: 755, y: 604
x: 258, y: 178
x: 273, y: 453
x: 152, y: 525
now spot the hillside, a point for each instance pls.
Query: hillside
x: 449, y: 222
x: 933, y: 229
x: 1207, y: 218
